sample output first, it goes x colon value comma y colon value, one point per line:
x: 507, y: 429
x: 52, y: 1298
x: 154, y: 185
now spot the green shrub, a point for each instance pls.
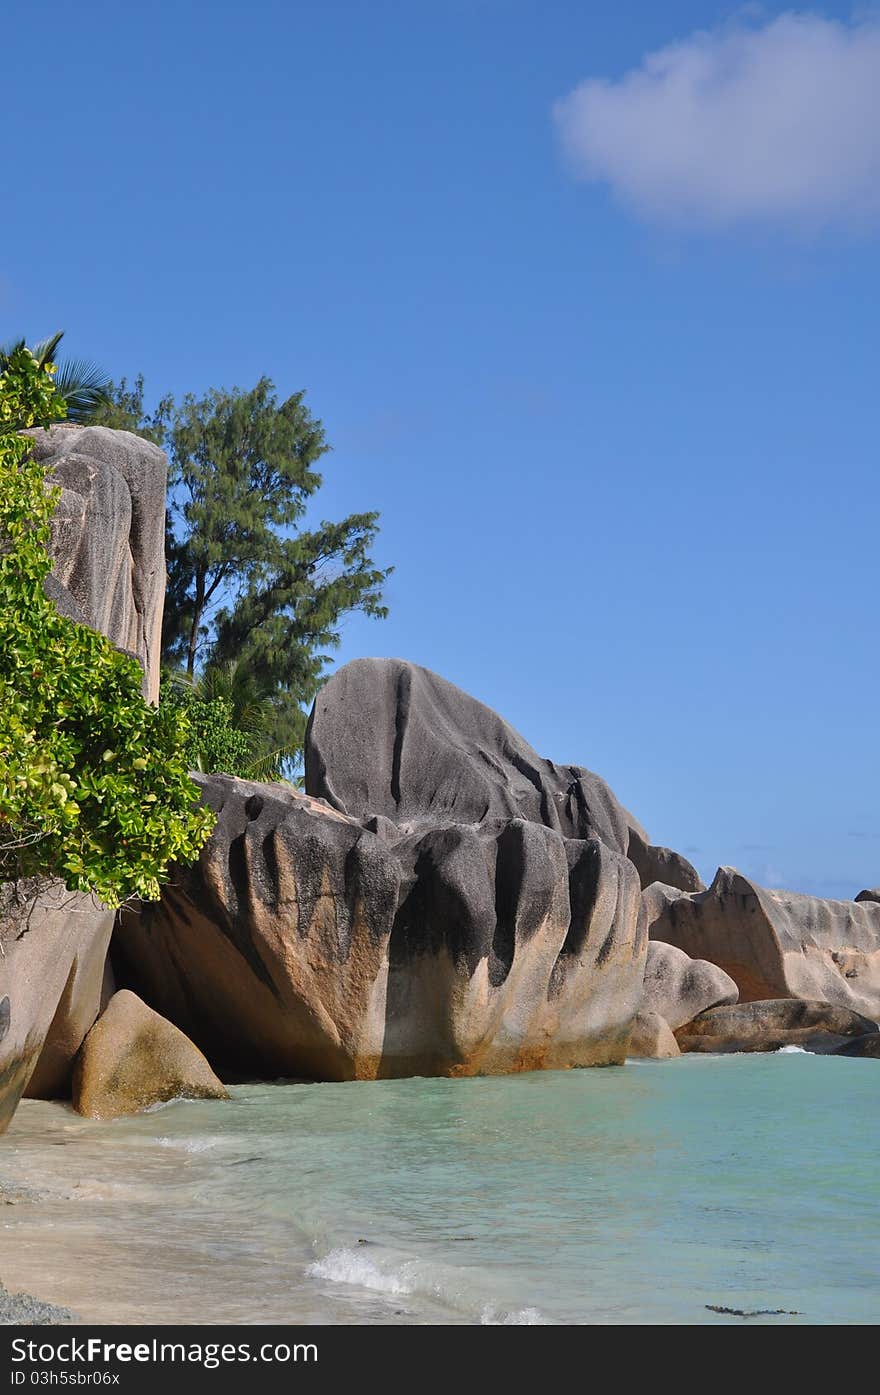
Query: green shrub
x: 94, y: 784
x: 215, y: 744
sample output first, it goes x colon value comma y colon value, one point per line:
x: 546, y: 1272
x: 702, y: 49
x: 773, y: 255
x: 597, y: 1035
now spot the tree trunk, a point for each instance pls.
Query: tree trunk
x: 199, y: 607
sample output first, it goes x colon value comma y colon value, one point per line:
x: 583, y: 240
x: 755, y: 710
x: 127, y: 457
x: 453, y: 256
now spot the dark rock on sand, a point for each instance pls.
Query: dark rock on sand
x: 768, y: 1026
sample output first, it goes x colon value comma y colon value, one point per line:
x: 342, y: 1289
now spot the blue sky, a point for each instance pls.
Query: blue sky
x: 606, y: 363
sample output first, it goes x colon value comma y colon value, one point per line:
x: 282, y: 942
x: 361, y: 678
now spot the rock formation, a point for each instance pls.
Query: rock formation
x: 444, y: 901
x: 54, y: 944
x: 775, y: 944
x: 390, y: 739
x: 304, y: 943
x: 661, y: 865
x: 867, y: 1045
x: 108, y: 550
x: 108, y: 536
x: 441, y: 900
x: 678, y: 988
x: 770, y: 1025
x: 132, y: 1058
x: 653, y: 1037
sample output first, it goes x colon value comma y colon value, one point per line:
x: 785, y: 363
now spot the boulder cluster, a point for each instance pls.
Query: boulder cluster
x: 439, y: 900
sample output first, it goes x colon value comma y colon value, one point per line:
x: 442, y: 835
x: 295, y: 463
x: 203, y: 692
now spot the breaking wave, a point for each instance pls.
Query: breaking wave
x: 400, y: 1278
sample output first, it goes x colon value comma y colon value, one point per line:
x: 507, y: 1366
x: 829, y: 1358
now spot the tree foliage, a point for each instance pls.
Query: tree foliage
x: 230, y: 721
x: 84, y: 388
x: 124, y: 410
x: 94, y: 785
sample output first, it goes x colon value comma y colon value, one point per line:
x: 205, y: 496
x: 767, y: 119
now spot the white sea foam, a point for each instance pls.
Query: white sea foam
x: 522, y: 1317
x: 351, y: 1267
x: 410, y: 1277
x: 791, y: 1051
x: 188, y: 1145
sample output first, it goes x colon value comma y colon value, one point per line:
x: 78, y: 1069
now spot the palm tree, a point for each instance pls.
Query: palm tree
x: 84, y: 387
x: 251, y: 710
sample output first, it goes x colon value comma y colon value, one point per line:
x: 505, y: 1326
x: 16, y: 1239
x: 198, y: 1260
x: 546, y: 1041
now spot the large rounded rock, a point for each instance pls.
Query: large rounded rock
x: 108, y: 536
x: 53, y: 945
x: 304, y: 943
x: 389, y: 738
x: 768, y: 1026
x: 775, y: 944
x: 133, y: 1058
x: 678, y: 987
x: 271, y: 951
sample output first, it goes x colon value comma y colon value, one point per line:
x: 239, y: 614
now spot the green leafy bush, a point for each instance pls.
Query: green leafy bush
x: 215, y: 744
x: 94, y: 784
x: 232, y: 721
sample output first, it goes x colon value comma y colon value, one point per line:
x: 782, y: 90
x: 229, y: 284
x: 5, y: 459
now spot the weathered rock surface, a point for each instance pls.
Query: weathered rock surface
x: 54, y: 944
x: 767, y: 1026
x: 109, y: 572
x: 655, y: 864
x: 132, y: 1058
x: 678, y: 987
x: 775, y: 944
x: 871, y: 894
x: 305, y: 943
x: 389, y: 738
x: 867, y: 1046
x: 108, y: 535
x: 652, y: 1037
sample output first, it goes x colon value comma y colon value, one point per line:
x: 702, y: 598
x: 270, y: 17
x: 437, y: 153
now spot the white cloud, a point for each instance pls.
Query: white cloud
x: 778, y: 124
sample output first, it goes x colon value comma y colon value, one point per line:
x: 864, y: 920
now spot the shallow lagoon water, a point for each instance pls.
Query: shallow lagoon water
x: 643, y: 1193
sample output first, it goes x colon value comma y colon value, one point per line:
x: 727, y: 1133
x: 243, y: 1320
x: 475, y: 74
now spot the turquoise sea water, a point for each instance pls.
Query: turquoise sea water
x: 640, y: 1193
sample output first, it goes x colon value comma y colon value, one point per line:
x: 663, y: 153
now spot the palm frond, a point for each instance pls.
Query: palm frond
x: 44, y: 352
x: 270, y: 765
x: 84, y: 387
